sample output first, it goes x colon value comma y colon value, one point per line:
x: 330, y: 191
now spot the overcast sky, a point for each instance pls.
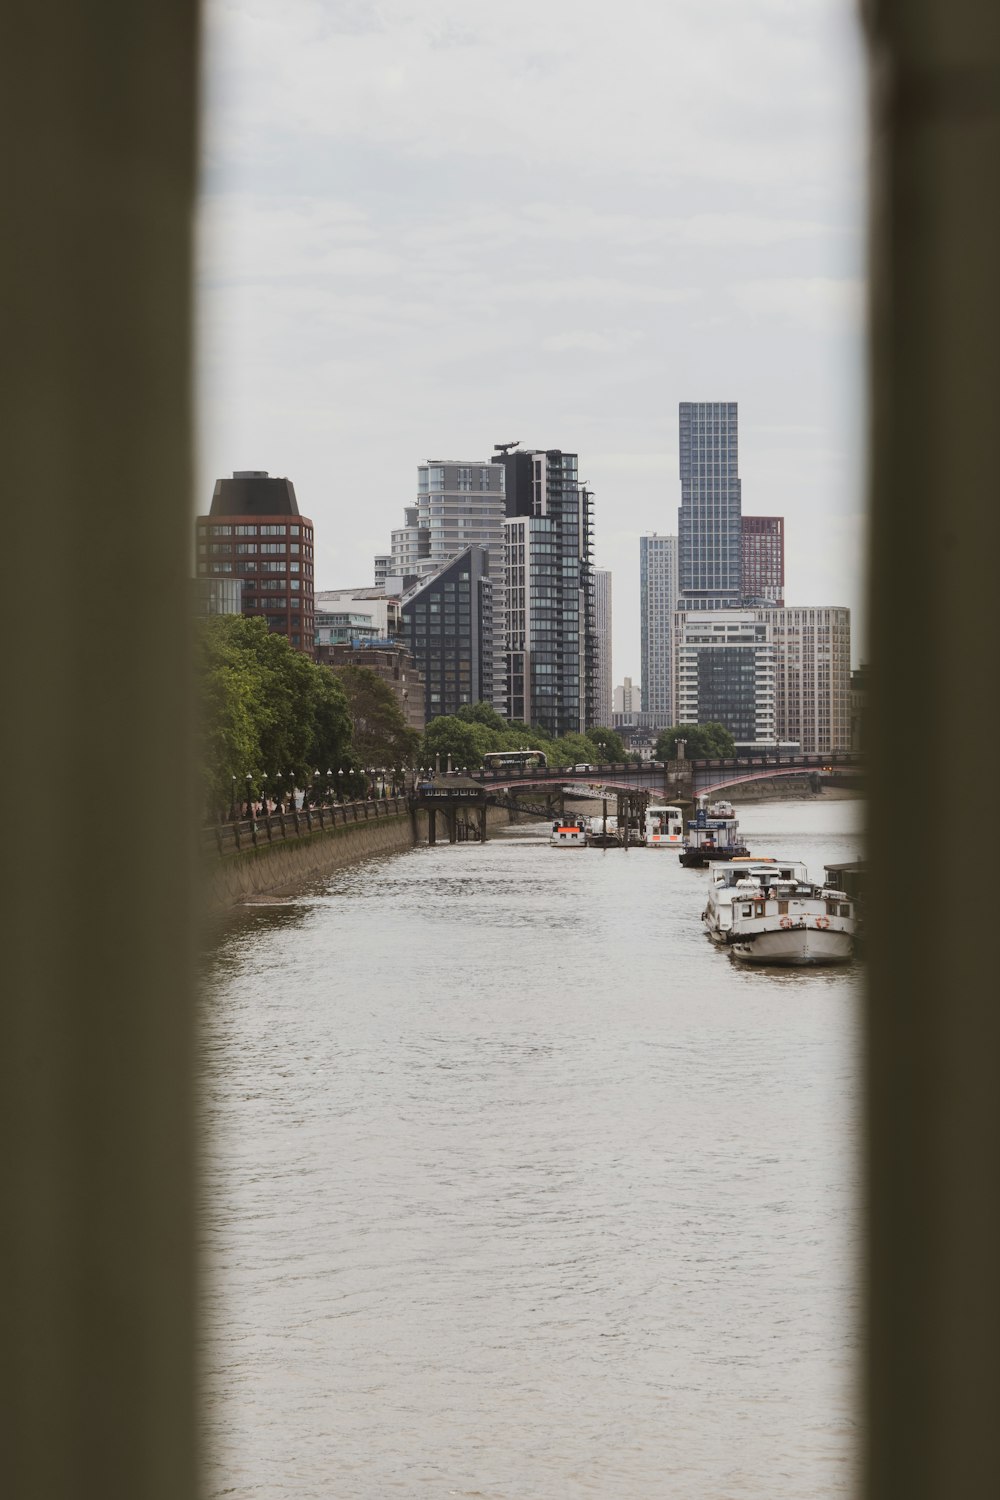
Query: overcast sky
x: 432, y: 225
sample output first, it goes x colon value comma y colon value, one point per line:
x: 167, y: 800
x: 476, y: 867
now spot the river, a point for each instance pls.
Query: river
x: 518, y: 1189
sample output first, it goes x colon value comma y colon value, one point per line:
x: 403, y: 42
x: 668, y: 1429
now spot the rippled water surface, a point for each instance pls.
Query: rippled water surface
x: 517, y: 1188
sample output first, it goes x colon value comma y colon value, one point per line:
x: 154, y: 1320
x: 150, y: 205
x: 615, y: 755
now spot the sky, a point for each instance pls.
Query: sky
x: 428, y: 226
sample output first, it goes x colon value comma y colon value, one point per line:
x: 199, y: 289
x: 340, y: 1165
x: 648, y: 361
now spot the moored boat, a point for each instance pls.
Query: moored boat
x: 664, y: 828
x: 568, y: 834
x: 769, y: 912
x: 713, y: 833
x: 725, y: 876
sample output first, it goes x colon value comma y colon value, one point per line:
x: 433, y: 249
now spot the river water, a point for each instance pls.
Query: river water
x: 518, y: 1189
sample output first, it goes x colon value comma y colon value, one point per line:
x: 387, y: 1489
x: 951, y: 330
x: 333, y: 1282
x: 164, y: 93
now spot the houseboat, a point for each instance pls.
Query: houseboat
x: 664, y: 828
x: 792, y: 922
x: 726, y: 875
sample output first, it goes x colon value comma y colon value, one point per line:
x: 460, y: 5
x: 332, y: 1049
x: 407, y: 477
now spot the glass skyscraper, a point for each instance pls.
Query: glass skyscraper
x: 709, y: 527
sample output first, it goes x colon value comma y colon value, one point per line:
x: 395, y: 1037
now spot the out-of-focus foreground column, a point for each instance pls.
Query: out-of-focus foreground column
x: 97, y: 1321
x: 933, y: 1030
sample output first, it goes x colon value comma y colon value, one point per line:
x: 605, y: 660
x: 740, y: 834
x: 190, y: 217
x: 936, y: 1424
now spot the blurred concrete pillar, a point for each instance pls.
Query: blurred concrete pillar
x: 933, y: 1028
x: 97, y: 1320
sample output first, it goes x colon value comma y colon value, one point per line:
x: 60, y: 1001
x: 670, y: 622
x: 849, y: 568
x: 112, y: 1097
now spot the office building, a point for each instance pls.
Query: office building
x: 383, y: 568
x: 657, y: 607
x: 255, y: 533
x: 603, y: 705
x: 708, y: 522
x: 812, y: 653
x: 551, y: 646
x: 763, y: 560
x: 447, y: 626
x: 460, y: 503
x: 725, y: 672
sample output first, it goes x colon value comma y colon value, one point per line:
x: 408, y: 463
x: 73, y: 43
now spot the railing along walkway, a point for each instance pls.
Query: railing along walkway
x: 272, y: 828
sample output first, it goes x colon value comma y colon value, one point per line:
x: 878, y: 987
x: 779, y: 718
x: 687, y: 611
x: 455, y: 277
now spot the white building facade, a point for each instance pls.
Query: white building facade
x: 812, y: 656
x: 603, y: 704
x: 725, y: 672
x: 657, y: 607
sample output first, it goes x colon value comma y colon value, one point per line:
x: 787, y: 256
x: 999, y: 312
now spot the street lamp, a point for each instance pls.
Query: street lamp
x: 232, y: 803
x: 315, y: 795
x: 249, y: 795
x: 329, y: 785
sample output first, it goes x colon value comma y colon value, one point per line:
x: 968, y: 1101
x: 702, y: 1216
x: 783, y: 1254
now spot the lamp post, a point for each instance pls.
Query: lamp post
x: 232, y: 803
x: 249, y: 795
x: 315, y: 790
x: 263, y: 793
x: 340, y: 783
x: 329, y: 786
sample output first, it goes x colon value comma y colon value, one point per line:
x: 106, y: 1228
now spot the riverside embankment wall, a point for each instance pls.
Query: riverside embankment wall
x: 284, y: 858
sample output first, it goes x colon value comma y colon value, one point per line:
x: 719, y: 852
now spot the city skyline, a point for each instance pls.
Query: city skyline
x: 374, y: 279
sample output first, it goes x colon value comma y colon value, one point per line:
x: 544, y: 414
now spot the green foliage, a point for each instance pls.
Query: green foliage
x: 381, y: 735
x: 610, y: 746
x: 711, y: 741
x: 266, y: 709
x: 482, y: 713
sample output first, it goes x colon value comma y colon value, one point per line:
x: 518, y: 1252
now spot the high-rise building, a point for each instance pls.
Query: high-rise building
x: 254, y: 532
x: 763, y: 560
x: 383, y: 568
x: 551, y: 641
x: 627, y: 698
x: 708, y: 522
x: 603, y: 704
x: 657, y: 606
x: 725, y: 672
x: 460, y: 503
x: 447, y: 626
x: 812, y: 653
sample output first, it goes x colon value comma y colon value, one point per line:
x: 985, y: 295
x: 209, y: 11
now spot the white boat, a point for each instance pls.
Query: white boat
x: 714, y: 833
x: 723, y: 878
x: 602, y: 833
x: 664, y: 828
x: 568, y: 835
x: 769, y: 912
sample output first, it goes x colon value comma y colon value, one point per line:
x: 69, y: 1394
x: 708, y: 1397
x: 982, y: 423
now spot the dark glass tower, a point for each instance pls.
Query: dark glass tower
x: 709, y: 525
x: 551, y: 633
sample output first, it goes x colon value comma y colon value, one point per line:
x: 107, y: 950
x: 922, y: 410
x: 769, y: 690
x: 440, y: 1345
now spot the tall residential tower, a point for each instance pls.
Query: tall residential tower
x: 657, y: 605
x: 709, y: 519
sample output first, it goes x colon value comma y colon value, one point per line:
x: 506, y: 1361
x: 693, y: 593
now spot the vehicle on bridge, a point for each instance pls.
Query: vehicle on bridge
x: 515, y: 760
x: 664, y: 828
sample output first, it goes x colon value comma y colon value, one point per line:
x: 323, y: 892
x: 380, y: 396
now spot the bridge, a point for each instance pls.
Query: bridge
x: 676, y: 780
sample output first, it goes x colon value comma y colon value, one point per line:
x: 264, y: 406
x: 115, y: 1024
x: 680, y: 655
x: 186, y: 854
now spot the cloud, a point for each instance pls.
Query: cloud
x: 429, y: 223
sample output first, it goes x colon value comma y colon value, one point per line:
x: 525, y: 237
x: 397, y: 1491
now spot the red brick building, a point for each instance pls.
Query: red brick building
x: 763, y: 560
x: 254, y: 532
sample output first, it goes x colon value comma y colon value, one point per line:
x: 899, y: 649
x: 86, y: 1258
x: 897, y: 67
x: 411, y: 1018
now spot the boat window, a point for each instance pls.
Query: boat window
x: 748, y: 911
x: 845, y: 910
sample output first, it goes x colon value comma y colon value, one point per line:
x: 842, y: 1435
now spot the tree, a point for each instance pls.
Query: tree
x: 266, y: 710
x: 711, y: 741
x: 449, y: 735
x: 610, y: 746
x: 482, y: 713
x: 380, y: 733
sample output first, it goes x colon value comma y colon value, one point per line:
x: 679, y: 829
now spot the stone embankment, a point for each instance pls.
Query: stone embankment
x: 277, y: 855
